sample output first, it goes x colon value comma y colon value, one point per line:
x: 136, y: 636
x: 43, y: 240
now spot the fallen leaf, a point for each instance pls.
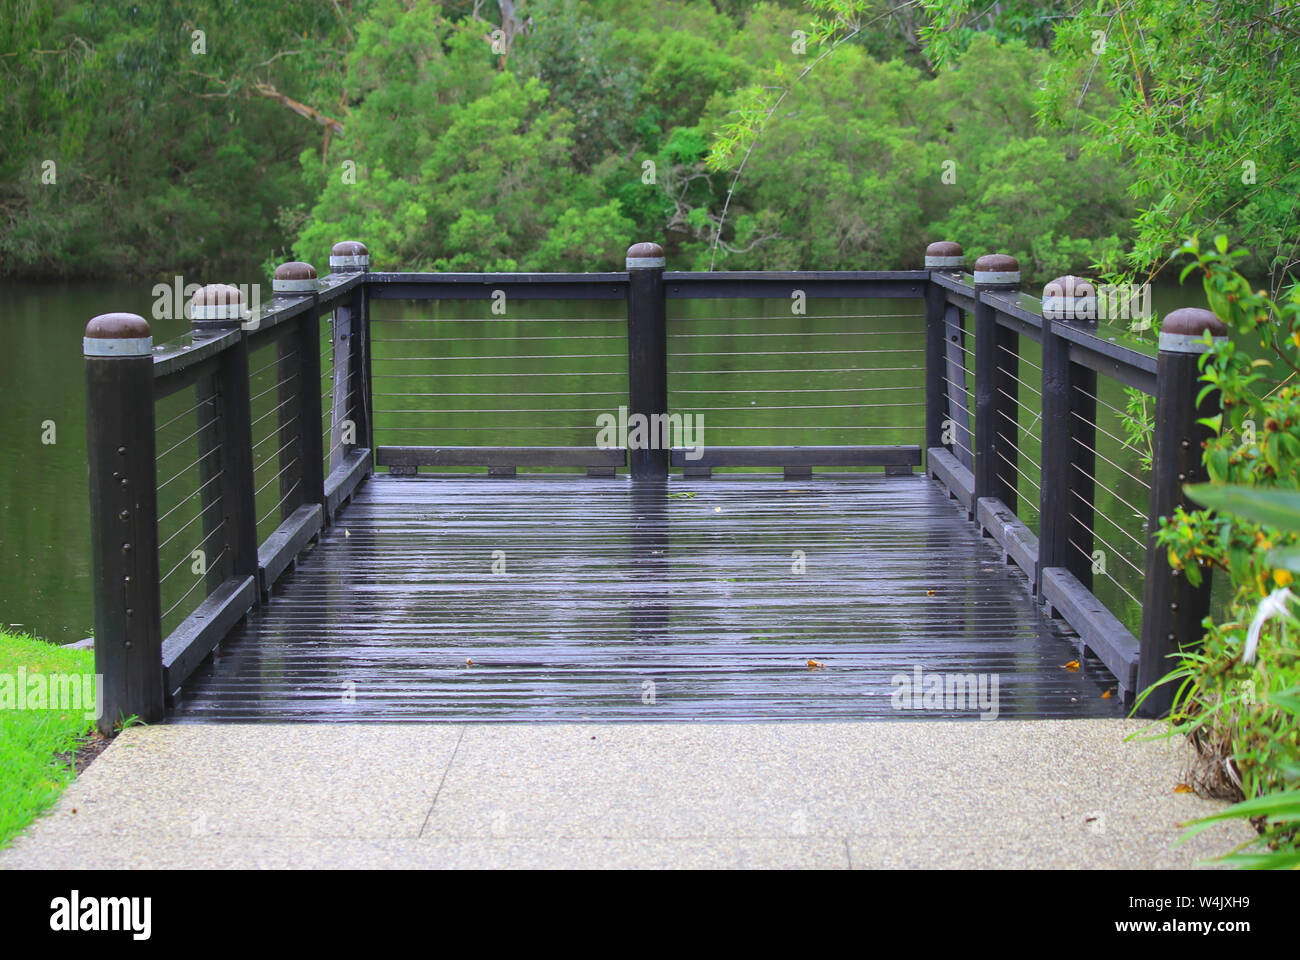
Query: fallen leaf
x: 1072, y: 666
x: 814, y: 665
x: 1182, y: 788
x: 717, y: 509
x: 469, y: 662
x: 929, y: 593
x: 1106, y: 695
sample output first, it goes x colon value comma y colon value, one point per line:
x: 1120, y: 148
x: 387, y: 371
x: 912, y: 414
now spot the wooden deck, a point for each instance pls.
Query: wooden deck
x: 621, y: 604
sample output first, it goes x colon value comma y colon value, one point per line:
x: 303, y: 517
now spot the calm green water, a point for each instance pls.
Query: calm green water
x: 457, y: 374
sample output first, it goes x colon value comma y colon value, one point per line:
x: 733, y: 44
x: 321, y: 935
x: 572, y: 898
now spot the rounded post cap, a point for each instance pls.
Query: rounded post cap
x: 217, y: 306
x: 294, y: 277
x: 1070, y: 298
x: 1184, y: 329
x: 944, y: 255
x: 997, y: 270
x: 645, y: 256
x: 350, y: 255
x: 117, y: 335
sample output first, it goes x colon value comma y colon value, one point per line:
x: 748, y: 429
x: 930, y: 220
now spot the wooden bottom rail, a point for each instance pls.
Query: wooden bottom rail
x: 405, y: 460
x: 799, y: 461
x: 1016, y: 539
x: 1100, y: 631
x: 345, y: 478
x: 956, y: 479
x: 200, y: 632
x: 283, y: 546
x: 1098, y: 628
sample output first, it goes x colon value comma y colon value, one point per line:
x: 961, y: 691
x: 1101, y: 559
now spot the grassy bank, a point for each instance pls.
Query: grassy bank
x: 36, y: 743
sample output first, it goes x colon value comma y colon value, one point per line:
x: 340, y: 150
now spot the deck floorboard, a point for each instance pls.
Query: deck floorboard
x: 619, y: 602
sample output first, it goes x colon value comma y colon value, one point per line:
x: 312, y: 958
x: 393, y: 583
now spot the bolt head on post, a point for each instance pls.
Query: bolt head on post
x: 117, y: 335
x: 645, y: 256
x: 295, y: 277
x: 944, y: 255
x: 216, y: 308
x: 1184, y: 330
x: 1070, y: 298
x: 349, y: 256
x: 997, y: 271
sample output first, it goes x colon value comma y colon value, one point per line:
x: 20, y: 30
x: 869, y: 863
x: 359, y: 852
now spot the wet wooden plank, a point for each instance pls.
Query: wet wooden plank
x: 577, y: 598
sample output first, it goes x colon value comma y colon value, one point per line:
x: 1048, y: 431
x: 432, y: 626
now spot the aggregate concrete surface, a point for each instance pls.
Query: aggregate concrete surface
x: 886, y: 794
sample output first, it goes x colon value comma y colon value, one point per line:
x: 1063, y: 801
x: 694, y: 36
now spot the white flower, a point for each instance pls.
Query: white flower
x: 1273, y: 605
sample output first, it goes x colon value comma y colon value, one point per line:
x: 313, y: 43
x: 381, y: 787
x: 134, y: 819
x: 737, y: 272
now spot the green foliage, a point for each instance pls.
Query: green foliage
x: 1206, y: 119
x: 303, y: 123
x: 880, y: 160
x: 397, y: 123
x: 574, y: 57
x: 151, y: 142
x: 1234, y: 689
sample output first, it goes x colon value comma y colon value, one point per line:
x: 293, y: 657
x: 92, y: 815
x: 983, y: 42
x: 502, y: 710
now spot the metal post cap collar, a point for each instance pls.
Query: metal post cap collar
x: 944, y: 255
x: 117, y: 335
x: 1070, y: 298
x: 294, y: 277
x: 349, y: 253
x: 997, y: 270
x: 645, y: 256
x: 217, y: 305
x: 1184, y: 330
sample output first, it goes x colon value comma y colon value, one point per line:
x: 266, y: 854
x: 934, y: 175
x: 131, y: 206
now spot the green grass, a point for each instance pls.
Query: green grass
x: 32, y: 775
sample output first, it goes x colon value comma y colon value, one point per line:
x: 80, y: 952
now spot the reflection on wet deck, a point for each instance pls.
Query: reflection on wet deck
x: 556, y: 598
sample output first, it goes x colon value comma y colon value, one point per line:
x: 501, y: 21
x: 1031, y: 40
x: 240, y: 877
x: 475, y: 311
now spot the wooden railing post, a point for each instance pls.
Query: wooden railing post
x: 118, y: 351
x: 996, y: 356
x: 941, y: 256
x: 1172, y: 609
x: 647, y: 353
x: 297, y: 279
x: 351, y: 357
x: 215, y: 310
x: 1069, y: 437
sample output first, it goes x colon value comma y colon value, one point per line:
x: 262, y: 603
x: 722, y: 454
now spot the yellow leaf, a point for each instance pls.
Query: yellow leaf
x: 1174, y: 560
x: 1072, y: 666
x: 814, y: 665
x: 1106, y: 695
x: 1182, y: 788
x: 929, y: 593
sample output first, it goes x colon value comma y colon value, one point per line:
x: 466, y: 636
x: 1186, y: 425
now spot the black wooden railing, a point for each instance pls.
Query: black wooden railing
x: 215, y: 460
x: 976, y: 432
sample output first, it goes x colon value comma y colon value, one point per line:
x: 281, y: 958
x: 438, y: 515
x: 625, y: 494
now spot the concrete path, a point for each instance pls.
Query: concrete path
x: 966, y: 794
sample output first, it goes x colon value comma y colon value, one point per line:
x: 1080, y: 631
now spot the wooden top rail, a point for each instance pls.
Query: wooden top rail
x: 173, y: 360
x: 903, y: 284
x: 1023, y: 312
